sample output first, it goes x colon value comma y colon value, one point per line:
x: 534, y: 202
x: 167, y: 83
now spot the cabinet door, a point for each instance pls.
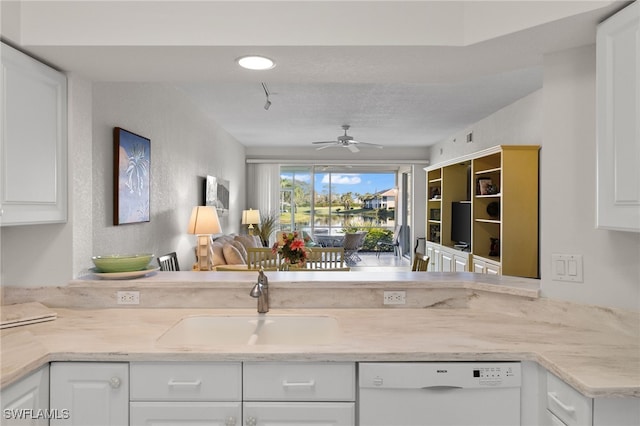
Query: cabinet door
x: 24, y: 401
x: 461, y: 263
x: 185, y: 413
x: 446, y: 262
x: 33, y: 141
x: 618, y: 127
x: 93, y: 393
x: 299, y: 413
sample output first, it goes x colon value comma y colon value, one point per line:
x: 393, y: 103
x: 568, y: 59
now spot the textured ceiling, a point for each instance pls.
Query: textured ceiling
x: 402, y: 74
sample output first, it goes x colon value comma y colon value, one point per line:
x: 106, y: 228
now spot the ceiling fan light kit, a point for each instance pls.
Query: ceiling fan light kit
x: 345, y: 141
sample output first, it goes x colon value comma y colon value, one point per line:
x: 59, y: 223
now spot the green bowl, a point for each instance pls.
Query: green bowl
x: 122, y: 262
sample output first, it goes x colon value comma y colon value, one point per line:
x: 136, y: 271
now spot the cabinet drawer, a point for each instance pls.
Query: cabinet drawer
x: 299, y: 413
x: 299, y: 381
x: 194, y: 381
x: 185, y: 413
x: 568, y: 404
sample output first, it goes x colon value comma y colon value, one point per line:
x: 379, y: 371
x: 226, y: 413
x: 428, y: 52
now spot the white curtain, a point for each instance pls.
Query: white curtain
x: 263, y: 187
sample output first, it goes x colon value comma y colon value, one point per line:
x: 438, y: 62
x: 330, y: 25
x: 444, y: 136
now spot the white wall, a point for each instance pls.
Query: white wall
x: 185, y: 147
x: 568, y: 201
x: 561, y: 118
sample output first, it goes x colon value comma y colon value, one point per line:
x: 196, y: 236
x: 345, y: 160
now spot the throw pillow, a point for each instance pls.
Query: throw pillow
x: 232, y: 255
x: 247, y: 241
x: 241, y: 249
x: 217, y: 254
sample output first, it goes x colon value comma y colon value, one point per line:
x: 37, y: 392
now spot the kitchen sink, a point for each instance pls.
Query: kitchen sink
x: 211, y: 330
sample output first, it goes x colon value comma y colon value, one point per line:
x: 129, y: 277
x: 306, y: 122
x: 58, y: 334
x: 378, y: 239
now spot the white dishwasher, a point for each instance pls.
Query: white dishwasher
x: 434, y: 393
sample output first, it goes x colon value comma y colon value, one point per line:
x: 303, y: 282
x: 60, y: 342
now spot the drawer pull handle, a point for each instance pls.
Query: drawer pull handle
x: 288, y: 384
x: 251, y: 421
x: 568, y: 408
x: 194, y: 384
x: 230, y: 421
x: 114, y: 382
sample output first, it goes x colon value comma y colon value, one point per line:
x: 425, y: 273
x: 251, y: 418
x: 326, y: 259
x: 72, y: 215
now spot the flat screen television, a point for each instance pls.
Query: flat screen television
x: 461, y: 223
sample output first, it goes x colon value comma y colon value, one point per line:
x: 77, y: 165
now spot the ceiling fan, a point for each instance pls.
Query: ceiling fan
x: 345, y: 141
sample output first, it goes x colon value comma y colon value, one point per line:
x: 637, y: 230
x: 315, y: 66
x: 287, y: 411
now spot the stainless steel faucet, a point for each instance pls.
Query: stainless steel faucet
x: 261, y: 292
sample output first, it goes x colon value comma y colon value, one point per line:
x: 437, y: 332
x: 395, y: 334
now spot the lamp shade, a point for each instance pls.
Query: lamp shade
x: 204, y: 220
x: 250, y: 217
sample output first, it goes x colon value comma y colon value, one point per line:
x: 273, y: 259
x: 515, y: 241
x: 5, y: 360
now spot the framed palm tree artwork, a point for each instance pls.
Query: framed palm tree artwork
x: 131, y: 177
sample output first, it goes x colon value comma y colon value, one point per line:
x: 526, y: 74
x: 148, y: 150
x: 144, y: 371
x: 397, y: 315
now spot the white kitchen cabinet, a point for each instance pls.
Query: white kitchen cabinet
x: 192, y: 393
x: 94, y: 393
x: 299, y: 393
x: 26, y: 401
x: 567, y: 406
x: 618, y: 127
x: 33, y: 141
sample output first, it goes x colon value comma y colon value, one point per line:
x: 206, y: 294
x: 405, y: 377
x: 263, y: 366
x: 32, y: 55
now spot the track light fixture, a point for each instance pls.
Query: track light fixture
x: 266, y: 92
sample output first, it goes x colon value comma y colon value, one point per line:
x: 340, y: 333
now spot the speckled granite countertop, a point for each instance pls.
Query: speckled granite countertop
x: 596, y: 350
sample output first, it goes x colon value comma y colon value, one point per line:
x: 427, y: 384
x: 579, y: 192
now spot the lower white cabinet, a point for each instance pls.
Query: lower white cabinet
x: 446, y: 259
x: 26, y: 402
x: 194, y: 393
x: 93, y: 393
x: 565, y: 406
x: 185, y: 413
x: 299, y: 413
x: 299, y: 394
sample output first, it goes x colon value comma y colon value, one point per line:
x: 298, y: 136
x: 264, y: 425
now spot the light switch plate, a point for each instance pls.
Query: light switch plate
x: 566, y: 267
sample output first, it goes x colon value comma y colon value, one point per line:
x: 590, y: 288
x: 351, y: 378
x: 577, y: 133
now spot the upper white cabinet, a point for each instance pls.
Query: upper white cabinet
x: 618, y: 125
x: 33, y: 141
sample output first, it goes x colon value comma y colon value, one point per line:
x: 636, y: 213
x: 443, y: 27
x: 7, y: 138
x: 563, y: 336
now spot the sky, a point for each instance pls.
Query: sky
x: 361, y: 183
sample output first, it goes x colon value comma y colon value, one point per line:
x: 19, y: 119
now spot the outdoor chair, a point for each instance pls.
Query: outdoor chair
x: 394, y: 244
x: 352, y: 245
x: 168, y: 262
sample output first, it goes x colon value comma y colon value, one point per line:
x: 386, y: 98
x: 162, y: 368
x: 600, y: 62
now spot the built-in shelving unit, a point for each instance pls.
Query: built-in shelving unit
x: 501, y: 184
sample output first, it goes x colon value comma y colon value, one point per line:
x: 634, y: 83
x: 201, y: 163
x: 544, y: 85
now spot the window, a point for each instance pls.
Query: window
x: 329, y: 200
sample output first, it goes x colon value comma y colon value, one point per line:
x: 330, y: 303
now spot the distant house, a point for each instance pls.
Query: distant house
x: 381, y: 200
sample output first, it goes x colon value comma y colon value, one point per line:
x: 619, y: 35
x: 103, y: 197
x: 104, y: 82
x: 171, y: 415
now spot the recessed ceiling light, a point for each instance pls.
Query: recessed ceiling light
x: 256, y: 62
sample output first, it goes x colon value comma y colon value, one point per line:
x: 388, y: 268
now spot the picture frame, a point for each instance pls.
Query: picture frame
x: 216, y: 194
x: 131, y: 177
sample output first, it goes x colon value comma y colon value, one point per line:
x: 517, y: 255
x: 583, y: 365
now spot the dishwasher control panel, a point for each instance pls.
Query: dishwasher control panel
x: 437, y: 375
x: 493, y: 375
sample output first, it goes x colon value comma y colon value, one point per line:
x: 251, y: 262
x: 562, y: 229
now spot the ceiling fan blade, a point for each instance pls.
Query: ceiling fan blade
x: 324, y: 142
x: 324, y: 146
x: 352, y: 148
x: 371, y: 144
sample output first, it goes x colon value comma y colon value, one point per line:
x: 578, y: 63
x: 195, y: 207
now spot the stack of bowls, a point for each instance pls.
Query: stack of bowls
x: 122, y: 262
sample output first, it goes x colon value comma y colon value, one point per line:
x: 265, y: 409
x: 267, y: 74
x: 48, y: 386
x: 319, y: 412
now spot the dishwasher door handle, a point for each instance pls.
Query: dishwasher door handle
x: 441, y: 387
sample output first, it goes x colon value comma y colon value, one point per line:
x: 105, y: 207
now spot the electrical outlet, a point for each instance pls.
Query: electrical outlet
x: 128, y: 297
x: 395, y: 297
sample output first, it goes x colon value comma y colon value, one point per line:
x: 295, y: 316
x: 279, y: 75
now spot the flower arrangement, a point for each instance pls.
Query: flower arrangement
x: 292, y: 249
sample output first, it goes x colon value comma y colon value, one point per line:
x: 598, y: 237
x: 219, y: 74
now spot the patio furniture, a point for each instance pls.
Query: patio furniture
x: 395, y: 242
x: 352, y: 244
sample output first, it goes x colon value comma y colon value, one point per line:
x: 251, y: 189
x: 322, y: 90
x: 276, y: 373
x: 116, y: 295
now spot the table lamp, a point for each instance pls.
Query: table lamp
x: 204, y: 222
x: 250, y: 217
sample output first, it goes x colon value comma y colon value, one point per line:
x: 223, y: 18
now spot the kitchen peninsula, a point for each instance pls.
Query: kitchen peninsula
x: 447, y: 317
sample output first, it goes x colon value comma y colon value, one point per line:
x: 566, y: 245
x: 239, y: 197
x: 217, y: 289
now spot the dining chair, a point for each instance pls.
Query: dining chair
x: 325, y: 258
x: 262, y: 257
x: 420, y: 262
x: 169, y: 262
